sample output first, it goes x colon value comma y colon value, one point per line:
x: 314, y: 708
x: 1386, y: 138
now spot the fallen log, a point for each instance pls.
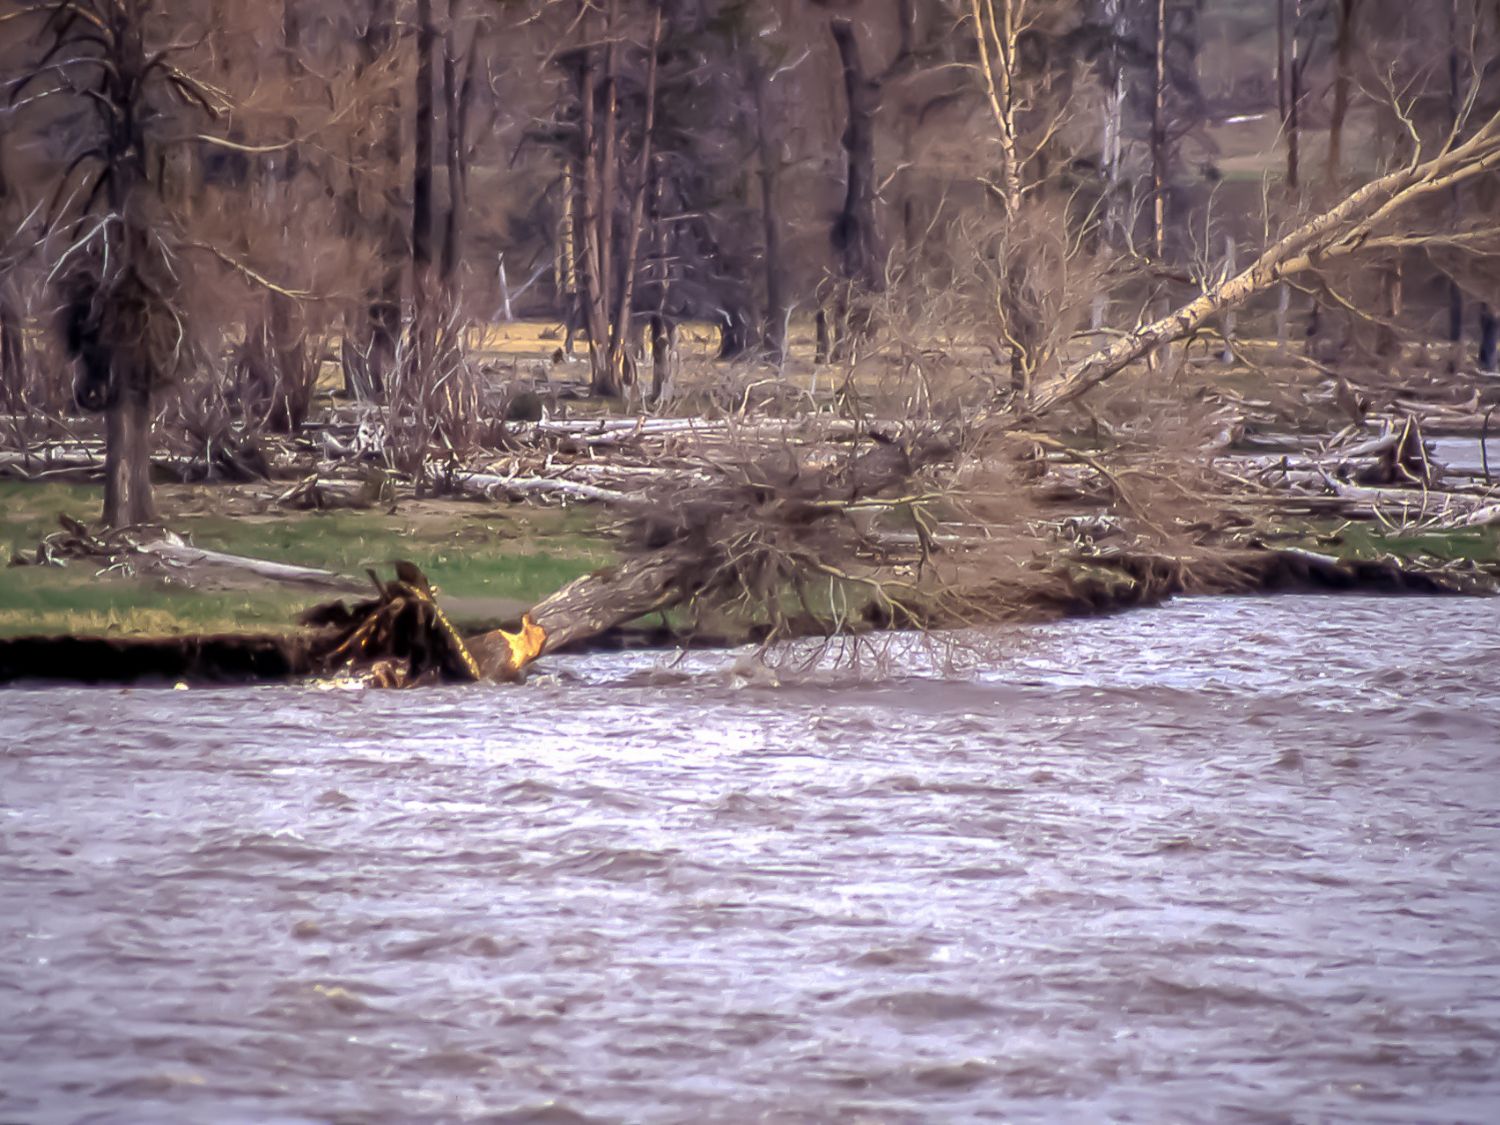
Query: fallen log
x: 179, y: 555
x: 491, y: 486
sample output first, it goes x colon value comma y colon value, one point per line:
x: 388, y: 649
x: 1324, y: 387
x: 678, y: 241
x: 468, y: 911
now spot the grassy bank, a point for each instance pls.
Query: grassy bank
x: 490, y: 560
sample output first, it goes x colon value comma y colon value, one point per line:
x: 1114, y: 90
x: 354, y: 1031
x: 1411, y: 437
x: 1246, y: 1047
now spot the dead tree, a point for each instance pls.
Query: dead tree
x: 119, y: 267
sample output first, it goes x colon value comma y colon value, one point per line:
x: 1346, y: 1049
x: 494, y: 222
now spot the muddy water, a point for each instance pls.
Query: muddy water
x: 1225, y: 861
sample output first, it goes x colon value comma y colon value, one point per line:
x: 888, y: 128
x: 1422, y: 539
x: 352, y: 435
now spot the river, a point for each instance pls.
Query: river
x: 1228, y: 860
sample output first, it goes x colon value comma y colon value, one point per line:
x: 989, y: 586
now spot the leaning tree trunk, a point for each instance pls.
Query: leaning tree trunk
x: 1369, y: 221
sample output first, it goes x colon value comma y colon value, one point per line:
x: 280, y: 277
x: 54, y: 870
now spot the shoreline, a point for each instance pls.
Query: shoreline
x: 1104, y: 586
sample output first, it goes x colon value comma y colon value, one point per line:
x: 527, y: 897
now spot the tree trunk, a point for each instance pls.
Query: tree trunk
x: 595, y: 280
x: 773, y: 335
x: 458, y: 95
x: 663, y: 357
x: 1343, y: 77
x: 1159, y: 138
x: 1455, y: 293
x: 855, y: 236
x: 132, y: 302
x: 1489, y: 340
x: 621, y: 343
x: 294, y: 374
x: 1387, y: 340
x: 140, y: 506
x: 1294, y: 102
x: 606, y: 378
x: 127, y: 458
x: 384, y: 317
x: 1112, y: 234
x: 12, y: 355
x: 421, y: 193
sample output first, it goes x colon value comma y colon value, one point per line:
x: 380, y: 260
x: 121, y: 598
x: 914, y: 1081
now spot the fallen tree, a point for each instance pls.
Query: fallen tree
x: 1378, y: 218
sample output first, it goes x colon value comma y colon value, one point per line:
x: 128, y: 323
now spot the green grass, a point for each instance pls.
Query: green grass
x: 492, y: 557
x: 1368, y: 541
x: 1480, y: 545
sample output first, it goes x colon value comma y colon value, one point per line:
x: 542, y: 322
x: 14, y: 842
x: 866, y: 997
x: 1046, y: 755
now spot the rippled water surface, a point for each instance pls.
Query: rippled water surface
x: 1230, y: 860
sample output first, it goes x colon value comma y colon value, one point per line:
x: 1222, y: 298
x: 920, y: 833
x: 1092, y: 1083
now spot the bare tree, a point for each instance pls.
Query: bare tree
x: 120, y: 264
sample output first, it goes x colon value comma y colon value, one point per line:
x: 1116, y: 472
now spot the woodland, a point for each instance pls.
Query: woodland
x: 832, y: 315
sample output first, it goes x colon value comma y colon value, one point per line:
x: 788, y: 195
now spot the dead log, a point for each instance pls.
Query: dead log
x: 181, y: 556
x: 491, y: 485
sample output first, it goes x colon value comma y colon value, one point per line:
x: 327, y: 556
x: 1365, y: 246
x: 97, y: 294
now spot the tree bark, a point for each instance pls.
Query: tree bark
x: 620, y: 333
x: 12, y: 355
x: 1455, y: 293
x: 773, y: 334
x: 1159, y: 138
x: 593, y: 292
x: 458, y: 95
x: 384, y: 315
x: 1489, y: 339
x: 421, y: 192
x: 856, y: 235
x: 1343, y: 77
